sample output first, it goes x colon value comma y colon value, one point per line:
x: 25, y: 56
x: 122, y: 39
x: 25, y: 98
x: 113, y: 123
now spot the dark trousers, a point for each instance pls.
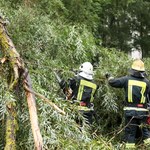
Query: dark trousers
x: 88, y: 116
x: 133, y: 120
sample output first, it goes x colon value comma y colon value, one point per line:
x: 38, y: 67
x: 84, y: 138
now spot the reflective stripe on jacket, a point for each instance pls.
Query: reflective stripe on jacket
x: 88, y: 88
x: 137, y: 90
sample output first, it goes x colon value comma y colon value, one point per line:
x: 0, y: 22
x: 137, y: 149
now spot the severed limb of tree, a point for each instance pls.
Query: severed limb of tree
x: 32, y: 111
x: 46, y: 100
x: 26, y: 86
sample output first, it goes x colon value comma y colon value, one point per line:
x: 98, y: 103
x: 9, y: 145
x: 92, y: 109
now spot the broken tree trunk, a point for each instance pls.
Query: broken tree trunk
x: 17, y: 65
x: 32, y: 111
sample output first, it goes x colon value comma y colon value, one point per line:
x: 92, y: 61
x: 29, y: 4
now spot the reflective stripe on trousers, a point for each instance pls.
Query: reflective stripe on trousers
x: 135, y: 108
x: 85, y: 108
x: 130, y: 146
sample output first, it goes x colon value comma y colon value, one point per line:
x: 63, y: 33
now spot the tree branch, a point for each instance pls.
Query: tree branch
x: 46, y: 100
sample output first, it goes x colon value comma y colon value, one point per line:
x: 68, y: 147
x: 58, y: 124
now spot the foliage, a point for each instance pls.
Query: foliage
x: 62, y: 34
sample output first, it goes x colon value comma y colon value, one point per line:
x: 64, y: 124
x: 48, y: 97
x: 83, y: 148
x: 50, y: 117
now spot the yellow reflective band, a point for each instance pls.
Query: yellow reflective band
x: 130, y: 145
x: 142, y: 93
x: 84, y: 108
x: 135, y: 108
x: 93, y: 91
x: 141, y: 84
x: 81, y: 88
x: 89, y: 84
x: 80, y: 91
x: 129, y: 92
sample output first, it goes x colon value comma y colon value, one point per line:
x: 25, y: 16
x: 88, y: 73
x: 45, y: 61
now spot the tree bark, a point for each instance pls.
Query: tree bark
x: 33, y: 112
x: 11, y: 127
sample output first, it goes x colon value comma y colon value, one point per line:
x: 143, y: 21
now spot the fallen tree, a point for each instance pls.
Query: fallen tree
x: 19, y: 72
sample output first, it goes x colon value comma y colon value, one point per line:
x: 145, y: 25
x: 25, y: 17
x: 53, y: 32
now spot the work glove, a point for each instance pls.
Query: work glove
x: 107, y: 75
x: 62, y: 84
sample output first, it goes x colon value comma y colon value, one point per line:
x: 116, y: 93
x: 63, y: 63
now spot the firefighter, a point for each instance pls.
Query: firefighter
x: 82, y: 90
x: 137, y: 90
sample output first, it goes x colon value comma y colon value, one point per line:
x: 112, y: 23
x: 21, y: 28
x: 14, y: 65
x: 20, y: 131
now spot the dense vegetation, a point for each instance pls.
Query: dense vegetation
x: 63, y: 34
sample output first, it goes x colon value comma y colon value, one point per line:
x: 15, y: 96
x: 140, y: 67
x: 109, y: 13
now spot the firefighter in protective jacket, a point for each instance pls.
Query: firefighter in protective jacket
x: 137, y: 90
x: 82, y: 90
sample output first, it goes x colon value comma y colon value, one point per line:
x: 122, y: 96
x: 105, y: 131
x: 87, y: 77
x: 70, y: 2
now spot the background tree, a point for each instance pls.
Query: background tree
x: 123, y: 24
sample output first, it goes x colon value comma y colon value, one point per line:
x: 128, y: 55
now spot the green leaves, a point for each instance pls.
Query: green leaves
x: 62, y: 34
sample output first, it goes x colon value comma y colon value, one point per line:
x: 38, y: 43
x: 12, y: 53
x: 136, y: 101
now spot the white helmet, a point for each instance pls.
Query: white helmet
x: 86, y: 70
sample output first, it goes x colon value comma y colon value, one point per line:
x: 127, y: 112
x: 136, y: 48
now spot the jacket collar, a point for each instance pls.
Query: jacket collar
x: 138, y: 74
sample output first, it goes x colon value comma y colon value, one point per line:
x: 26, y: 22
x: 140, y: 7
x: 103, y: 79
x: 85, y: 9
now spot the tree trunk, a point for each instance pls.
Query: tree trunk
x: 33, y: 112
x: 11, y: 127
x: 17, y: 65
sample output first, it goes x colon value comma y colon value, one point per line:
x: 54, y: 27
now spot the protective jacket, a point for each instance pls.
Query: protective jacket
x: 82, y: 93
x: 137, y: 90
x: 83, y: 90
